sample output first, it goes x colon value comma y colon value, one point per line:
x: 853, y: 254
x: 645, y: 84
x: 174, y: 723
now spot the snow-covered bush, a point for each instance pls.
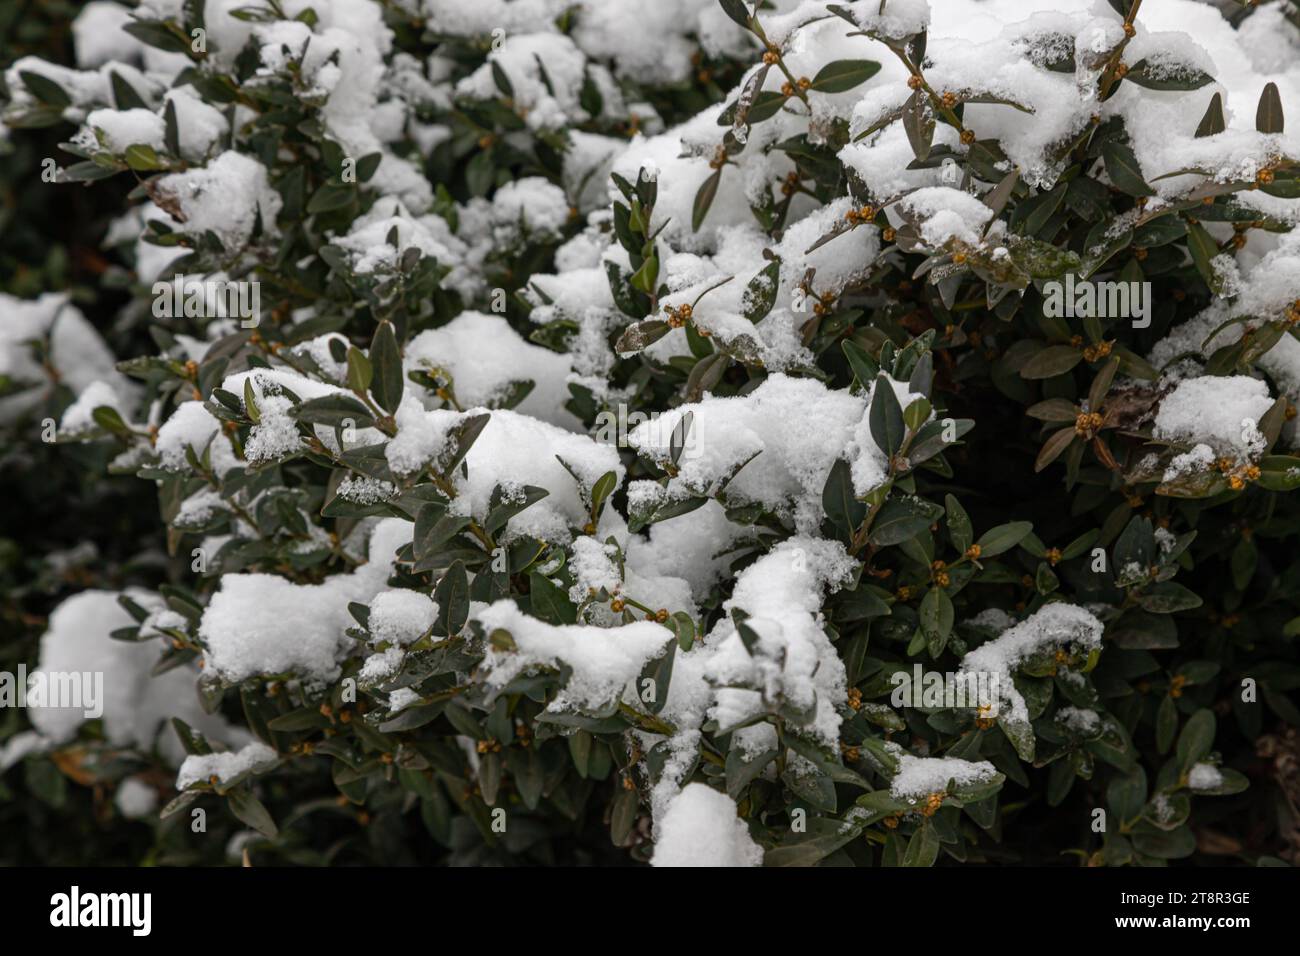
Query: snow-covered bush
x: 593, y: 427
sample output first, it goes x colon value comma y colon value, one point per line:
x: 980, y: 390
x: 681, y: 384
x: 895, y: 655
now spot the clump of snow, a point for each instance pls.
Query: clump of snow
x: 792, y: 659
x: 1204, y: 776
x: 1222, y: 412
x: 1056, y: 626
x: 783, y: 462
x: 603, y: 660
x: 947, y: 214
x: 79, y: 416
x: 261, y: 624
x: 74, y: 350
x: 200, y: 768
x: 400, y: 616
x: 229, y: 197
x: 118, y: 129
x: 422, y: 436
x: 700, y: 828
x: 135, y: 799
x: 513, y: 450
x: 485, y: 357
x: 98, y: 36
x: 136, y: 705
x: 921, y: 776
x: 531, y: 208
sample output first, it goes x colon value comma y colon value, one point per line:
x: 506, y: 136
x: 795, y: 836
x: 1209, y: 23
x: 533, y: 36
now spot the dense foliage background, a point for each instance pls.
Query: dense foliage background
x: 900, y: 455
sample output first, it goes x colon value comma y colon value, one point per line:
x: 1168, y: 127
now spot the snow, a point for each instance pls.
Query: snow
x: 261, y: 624
x: 531, y: 208
x: 199, y: 126
x: 75, y: 351
x: 79, y: 415
x: 135, y: 799
x: 228, y: 197
x: 118, y: 129
x: 514, y: 450
x: 400, y: 616
x: 137, y: 706
x: 603, y: 660
x: 1056, y: 626
x: 485, y: 357
x: 922, y: 776
x: 700, y: 828
x: 1267, y: 288
x: 200, y: 768
x: 1204, y: 776
x: 793, y: 659
x: 947, y: 214
x: 367, y: 241
x: 422, y: 436
x: 98, y: 36
x: 1219, y: 411
x: 785, y: 462
x: 193, y: 426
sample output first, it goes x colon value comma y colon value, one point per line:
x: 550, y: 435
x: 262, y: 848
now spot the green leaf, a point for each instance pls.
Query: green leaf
x: 902, y: 518
x: 1196, y: 740
x: 1212, y: 123
x: 1170, y: 845
x: 923, y: 847
x: 549, y: 602
x: 840, y: 75
x: 916, y: 414
x: 761, y: 293
x: 334, y: 411
x: 1166, y: 724
x: 704, y: 199
x: 142, y: 158
x: 386, y: 359
x: 1003, y: 538
x: 1124, y: 170
x: 1168, y: 597
x: 886, y: 417
x: 640, y: 335
x: 502, y: 508
x: 434, y: 528
x: 865, y: 368
x: 329, y: 198
x: 1268, y: 115
x: 1203, y: 249
x: 125, y: 96
x: 452, y: 597
x: 250, y: 810
x: 838, y: 501
x: 737, y: 11
x: 742, y: 769
x: 936, y: 619
x: 1052, y: 361
x: 1127, y: 794
x: 959, y: 526
x: 918, y: 123
x: 360, y: 371
x: 250, y: 402
x: 45, y: 89
x: 1185, y: 78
